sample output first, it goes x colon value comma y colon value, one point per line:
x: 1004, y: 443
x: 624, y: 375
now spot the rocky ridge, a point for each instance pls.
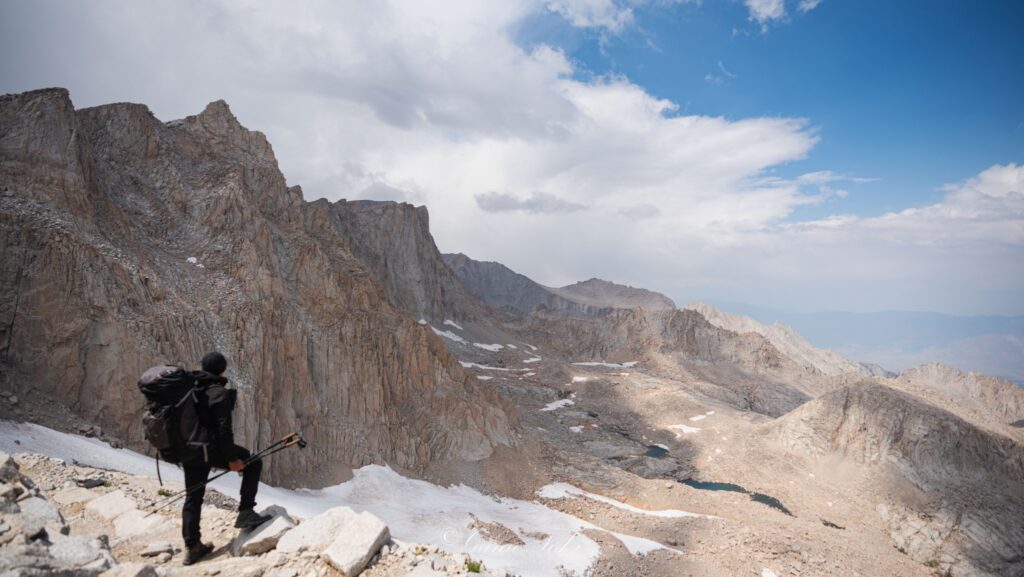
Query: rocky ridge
x: 130, y: 242
x: 965, y: 495
x: 789, y: 342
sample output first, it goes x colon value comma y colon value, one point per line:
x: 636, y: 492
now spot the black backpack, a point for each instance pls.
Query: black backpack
x: 171, y: 420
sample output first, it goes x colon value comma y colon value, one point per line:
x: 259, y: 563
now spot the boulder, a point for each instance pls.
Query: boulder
x: 263, y: 538
x: 110, y: 506
x: 158, y: 547
x: 89, y: 553
x: 131, y: 570
x: 317, y: 533
x: 74, y: 495
x: 8, y: 469
x: 134, y: 523
x: 37, y: 515
x: 351, y: 550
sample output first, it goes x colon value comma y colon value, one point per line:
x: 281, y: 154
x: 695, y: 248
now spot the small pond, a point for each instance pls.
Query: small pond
x: 656, y: 452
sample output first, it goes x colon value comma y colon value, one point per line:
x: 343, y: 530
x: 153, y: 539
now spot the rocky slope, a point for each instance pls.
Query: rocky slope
x: 1001, y: 398
x: 129, y: 242
x: 966, y: 494
x: 601, y: 293
x: 746, y: 370
x: 514, y: 294
x: 789, y: 342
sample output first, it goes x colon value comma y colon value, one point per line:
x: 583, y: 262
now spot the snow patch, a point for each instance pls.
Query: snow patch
x: 423, y: 322
x: 697, y: 418
x: 529, y: 374
x: 532, y: 360
x: 192, y: 260
x: 482, y: 367
x: 448, y: 335
x: 579, y: 379
x: 660, y: 446
x: 565, y: 490
x: 493, y: 348
x: 511, y: 346
x: 687, y: 429
x: 768, y: 573
x: 557, y: 404
x: 576, y: 429
x: 532, y: 348
x: 452, y: 323
x: 628, y: 365
x: 483, y: 378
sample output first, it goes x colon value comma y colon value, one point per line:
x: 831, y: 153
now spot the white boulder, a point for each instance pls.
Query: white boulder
x: 351, y: 550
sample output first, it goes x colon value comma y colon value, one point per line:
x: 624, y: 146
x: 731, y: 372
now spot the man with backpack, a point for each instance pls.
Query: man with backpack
x: 214, y: 404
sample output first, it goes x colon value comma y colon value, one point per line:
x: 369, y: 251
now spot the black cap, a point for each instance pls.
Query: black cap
x: 215, y: 363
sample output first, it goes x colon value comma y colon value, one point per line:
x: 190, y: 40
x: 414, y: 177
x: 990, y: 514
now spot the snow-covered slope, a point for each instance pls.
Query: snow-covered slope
x: 788, y: 341
x: 416, y: 511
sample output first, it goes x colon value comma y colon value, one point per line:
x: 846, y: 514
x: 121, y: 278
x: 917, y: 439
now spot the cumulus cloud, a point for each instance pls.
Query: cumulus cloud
x: 536, y: 203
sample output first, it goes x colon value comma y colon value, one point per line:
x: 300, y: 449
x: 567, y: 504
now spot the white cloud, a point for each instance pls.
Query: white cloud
x: 593, y: 13
x: 764, y: 11
x: 808, y: 5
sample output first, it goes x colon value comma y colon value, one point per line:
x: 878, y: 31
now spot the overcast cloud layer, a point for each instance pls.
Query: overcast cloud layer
x: 522, y: 162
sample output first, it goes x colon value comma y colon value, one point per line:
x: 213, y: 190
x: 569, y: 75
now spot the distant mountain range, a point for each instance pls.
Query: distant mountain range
x: 898, y: 340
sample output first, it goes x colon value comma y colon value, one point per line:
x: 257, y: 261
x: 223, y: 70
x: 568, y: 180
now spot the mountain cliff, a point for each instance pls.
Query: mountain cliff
x: 393, y: 241
x: 129, y: 242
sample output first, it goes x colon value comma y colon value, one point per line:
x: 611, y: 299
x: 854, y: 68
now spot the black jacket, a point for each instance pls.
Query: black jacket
x: 216, y: 402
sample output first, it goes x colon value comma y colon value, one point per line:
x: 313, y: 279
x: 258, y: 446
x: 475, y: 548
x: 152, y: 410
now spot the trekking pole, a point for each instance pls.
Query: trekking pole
x: 284, y: 443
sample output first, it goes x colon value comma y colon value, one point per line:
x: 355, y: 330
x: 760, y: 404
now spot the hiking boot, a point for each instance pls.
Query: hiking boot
x: 195, y: 553
x: 248, y: 519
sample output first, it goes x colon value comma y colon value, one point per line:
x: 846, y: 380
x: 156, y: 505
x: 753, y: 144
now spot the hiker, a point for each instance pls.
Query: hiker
x: 214, y: 405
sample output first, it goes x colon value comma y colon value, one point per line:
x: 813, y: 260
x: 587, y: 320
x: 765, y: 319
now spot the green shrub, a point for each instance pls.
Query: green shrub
x: 472, y: 566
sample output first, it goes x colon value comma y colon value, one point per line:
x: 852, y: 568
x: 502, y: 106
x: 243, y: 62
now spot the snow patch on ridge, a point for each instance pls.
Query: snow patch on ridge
x: 448, y: 335
x: 685, y: 429
x: 565, y: 490
x: 493, y: 348
x: 558, y: 404
x: 627, y: 365
x: 452, y: 323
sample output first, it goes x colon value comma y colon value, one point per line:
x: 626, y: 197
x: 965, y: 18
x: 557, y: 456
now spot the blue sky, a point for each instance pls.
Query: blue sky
x: 915, y: 94
x: 853, y: 156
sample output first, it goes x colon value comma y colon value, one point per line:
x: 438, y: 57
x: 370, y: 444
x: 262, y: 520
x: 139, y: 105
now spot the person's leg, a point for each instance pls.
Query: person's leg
x: 250, y: 481
x: 191, y: 511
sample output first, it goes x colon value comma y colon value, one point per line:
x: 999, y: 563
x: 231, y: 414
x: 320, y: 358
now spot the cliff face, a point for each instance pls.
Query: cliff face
x: 129, y: 242
x: 393, y: 241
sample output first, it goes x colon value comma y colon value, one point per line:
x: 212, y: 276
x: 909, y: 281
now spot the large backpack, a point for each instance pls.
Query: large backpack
x: 171, y: 420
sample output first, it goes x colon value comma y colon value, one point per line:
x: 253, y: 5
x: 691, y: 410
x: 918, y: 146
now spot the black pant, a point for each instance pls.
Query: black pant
x: 197, y: 473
